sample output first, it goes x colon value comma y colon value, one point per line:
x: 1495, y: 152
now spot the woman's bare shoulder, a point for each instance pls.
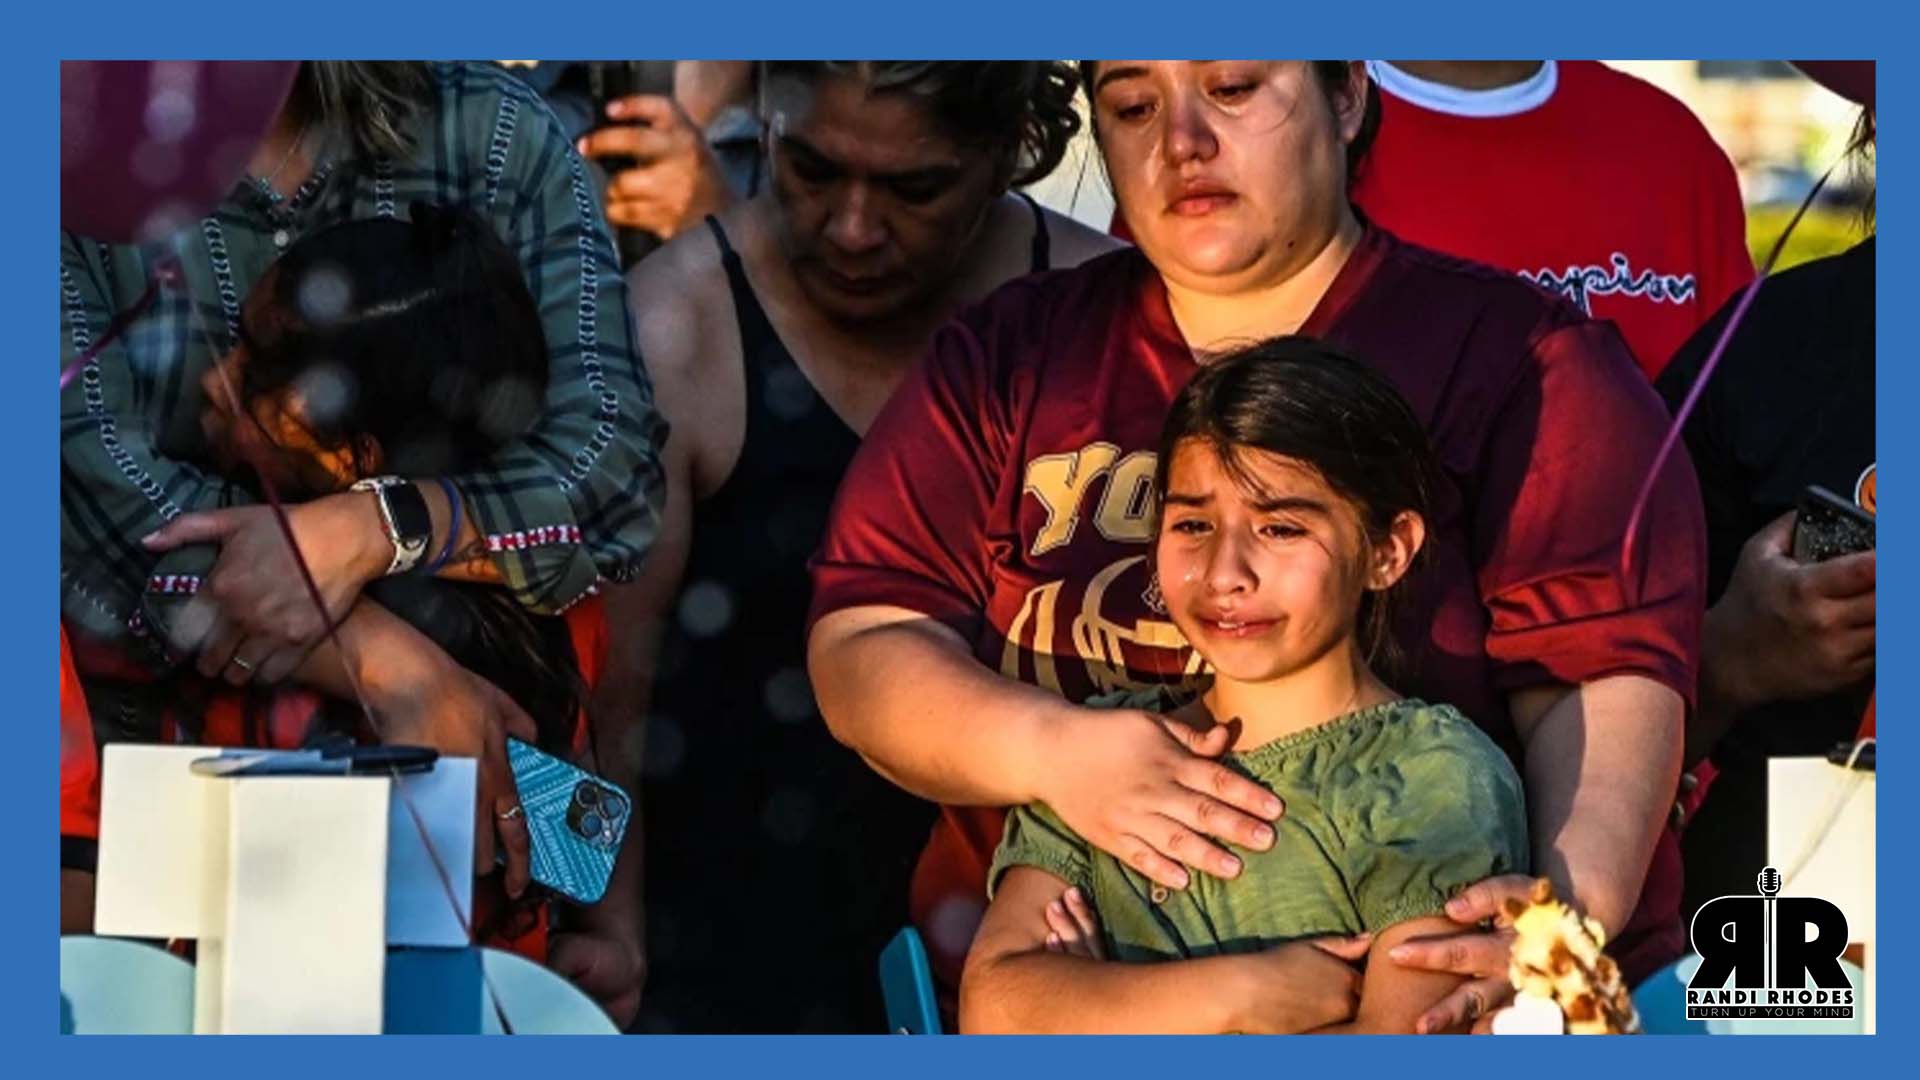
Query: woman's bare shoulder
x: 688, y: 341
x: 680, y: 302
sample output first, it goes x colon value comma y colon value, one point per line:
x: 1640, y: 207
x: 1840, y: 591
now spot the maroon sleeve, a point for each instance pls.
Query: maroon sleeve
x: 1565, y: 458
x: 909, y: 523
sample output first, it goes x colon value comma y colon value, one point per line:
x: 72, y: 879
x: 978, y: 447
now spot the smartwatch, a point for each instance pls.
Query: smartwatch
x: 403, y: 510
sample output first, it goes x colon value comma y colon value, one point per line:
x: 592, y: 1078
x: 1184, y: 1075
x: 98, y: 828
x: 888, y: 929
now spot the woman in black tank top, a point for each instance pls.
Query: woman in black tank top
x: 776, y: 860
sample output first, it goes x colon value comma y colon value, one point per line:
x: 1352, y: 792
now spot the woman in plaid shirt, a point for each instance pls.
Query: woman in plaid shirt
x: 143, y: 526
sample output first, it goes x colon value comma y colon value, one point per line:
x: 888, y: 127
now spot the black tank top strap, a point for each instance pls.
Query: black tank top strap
x: 756, y: 330
x: 1042, y: 243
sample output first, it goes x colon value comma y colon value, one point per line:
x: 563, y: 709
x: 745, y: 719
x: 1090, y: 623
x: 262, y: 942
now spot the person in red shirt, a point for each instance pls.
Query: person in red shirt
x: 987, y: 553
x: 1584, y: 180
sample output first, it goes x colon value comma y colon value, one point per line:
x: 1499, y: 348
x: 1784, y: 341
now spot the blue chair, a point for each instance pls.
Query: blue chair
x: 444, y: 992
x: 538, y: 1002
x: 111, y: 986
x: 1661, y: 1000
x: 906, y: 983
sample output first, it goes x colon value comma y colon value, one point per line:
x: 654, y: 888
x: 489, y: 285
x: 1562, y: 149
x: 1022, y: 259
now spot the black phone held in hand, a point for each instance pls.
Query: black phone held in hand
x: 1827, y: 526
x: 611, y: 80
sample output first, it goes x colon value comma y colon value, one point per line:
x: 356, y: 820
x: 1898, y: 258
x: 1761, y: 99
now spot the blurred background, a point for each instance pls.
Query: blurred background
x: 1782, y: 130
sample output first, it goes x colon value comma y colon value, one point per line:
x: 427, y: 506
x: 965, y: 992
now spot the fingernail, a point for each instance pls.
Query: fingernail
x: 150, y: 537
x: 1422, y: 1027
x: 1275, y: 808
x: 1457, y: 906
x: 1232, y: 866
x: 615, y: 107
x: 1399, y: 953
x: 1053, y: 939
x: 1073, y: 892
x: 1263, y: 836
x: 1054, y: 905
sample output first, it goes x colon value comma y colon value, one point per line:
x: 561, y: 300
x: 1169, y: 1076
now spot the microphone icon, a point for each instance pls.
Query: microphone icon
x: 1769, y: 882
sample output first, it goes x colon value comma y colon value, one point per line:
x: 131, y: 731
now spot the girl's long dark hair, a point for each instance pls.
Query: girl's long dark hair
x: 420, y: 334
x: 1303, y: 399
x: 422, y: 337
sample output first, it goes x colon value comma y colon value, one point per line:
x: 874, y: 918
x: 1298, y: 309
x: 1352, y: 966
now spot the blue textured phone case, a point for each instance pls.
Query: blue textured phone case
x: 576, y: 819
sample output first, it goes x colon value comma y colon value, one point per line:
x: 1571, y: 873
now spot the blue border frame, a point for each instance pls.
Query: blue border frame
x: 1624, y: 28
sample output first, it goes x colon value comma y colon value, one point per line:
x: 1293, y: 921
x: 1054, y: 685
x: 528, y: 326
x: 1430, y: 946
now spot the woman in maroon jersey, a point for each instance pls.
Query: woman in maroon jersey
x: 987, y: 557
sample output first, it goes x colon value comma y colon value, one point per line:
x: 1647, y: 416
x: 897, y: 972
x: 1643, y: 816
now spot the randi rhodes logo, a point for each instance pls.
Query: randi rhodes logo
x: 1770, y: 957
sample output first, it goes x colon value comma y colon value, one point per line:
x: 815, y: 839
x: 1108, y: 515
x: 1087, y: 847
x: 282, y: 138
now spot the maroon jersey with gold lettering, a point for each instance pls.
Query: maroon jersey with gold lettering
x: 1006, y: 490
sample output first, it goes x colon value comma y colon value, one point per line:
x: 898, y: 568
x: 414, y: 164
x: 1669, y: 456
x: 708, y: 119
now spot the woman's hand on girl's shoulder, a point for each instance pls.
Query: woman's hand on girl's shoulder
x: 1145, y: 789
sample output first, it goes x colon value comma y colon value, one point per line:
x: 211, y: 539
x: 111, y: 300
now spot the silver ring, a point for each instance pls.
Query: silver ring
x: 510, y: 814
x: 241, y: 664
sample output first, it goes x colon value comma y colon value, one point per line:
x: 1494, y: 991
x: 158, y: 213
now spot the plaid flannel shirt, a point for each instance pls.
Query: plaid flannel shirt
x: 575, y: 500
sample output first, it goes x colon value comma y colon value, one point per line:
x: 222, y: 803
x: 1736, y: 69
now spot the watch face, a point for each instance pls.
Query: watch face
x: 411, y: 521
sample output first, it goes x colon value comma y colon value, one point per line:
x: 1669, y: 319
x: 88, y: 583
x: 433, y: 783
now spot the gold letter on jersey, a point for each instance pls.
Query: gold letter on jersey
x: 1126, y: 509
x: 1060, y: 481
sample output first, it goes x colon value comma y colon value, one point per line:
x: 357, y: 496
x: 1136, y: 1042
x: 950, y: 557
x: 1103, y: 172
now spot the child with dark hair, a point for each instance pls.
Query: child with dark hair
x: 1293, y: 492
x: 388, y: 347
x: 375, y: 347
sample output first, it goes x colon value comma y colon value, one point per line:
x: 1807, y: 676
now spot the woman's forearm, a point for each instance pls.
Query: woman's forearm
x: 374, y: 652
x: 1041, y: 993
x: 906, y: 693
x: 1722, y: 696
x: 1602, y: 766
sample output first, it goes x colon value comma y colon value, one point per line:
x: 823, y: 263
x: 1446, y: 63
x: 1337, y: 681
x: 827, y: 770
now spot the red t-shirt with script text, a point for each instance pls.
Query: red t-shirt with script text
x: 1585, y: 180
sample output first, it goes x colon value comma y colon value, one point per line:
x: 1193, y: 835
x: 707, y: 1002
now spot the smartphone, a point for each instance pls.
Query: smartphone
x: 609, y: 80
x: 1828, y: 526
x: 576, y: 819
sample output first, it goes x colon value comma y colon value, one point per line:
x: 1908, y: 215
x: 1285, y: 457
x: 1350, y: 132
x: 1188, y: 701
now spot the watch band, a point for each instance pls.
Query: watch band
x: 403, y: 512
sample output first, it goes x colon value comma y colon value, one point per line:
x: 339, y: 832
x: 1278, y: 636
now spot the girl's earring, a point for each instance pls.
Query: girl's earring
x: 1156, y: 602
